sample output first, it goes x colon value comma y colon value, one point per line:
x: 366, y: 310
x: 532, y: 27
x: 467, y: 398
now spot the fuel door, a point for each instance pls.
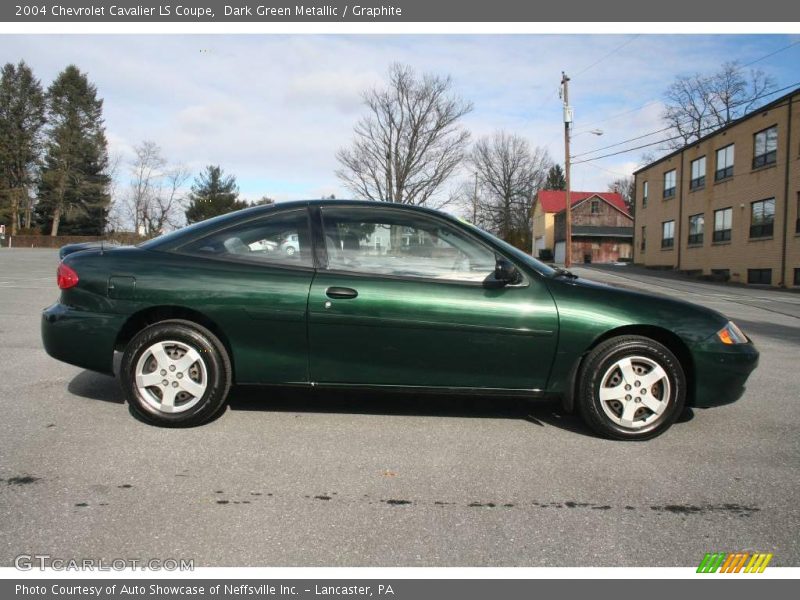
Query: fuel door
x: 121, y: 287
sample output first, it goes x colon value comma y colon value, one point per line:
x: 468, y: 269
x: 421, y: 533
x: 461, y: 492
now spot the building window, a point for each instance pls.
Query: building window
x: 669, y: 184
x: 668, y: 234
x: 595, y: 207
x: 761, y: 276
x: 645, y: 192
x: 722, y: 225
x: 698, y: 173
x: 762, y: 218
x: 697, y: 224
x: 765, y: 147
x: 724, y: 163
x: 643, y: 243
x: 797, y: 276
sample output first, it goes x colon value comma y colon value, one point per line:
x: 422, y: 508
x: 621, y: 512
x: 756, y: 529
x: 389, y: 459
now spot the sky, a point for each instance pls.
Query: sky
x: 274, y: 109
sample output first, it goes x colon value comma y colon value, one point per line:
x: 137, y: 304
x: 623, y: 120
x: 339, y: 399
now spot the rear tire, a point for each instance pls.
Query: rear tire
x: 175, y: 373
x: 631, y: 388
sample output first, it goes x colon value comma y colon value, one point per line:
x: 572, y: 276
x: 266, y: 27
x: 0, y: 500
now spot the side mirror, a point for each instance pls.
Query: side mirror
x: 505, y: 273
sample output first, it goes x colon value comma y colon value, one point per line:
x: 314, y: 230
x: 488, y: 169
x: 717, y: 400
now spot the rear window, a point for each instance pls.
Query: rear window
x: 281, y: 239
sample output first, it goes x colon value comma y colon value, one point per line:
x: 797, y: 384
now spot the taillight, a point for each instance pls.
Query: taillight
x: 66, y: 277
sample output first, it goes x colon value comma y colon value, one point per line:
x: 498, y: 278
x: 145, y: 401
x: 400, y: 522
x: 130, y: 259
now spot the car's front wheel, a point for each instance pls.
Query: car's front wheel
x: 175, y: 373
x: 631, y: 388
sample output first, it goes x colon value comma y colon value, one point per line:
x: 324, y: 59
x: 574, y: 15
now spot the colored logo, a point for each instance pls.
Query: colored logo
x: 734, y: 562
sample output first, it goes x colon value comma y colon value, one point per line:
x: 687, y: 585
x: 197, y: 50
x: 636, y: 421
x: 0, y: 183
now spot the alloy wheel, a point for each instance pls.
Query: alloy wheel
x: 635, y: 391
x: 171, y: 376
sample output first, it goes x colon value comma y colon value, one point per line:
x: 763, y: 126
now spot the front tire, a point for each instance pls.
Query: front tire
x: 175, y: 373
x: 631, y: 388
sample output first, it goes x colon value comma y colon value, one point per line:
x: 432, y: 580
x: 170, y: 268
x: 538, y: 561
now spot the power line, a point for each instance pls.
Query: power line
x: 772, y: 54
x: 669, y: 139
x: 656, y: 101
x: 599, y: 168
x: 546, y: 97
x: 688, y: 122
x: 605, y: 56
x: 670, y: 127
x: 633, y: 139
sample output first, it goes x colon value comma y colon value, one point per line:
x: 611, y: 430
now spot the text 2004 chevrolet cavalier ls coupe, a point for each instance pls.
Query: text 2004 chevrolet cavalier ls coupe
x: 359, y: 294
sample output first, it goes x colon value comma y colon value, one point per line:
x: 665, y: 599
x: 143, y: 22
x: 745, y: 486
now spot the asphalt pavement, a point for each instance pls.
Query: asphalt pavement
x: 344, y: 479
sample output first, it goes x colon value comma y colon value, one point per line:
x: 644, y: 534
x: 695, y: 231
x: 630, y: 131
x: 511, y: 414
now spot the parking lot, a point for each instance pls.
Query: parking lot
x: 342, y: 479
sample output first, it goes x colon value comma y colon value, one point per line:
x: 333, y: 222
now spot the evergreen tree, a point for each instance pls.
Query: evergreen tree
x: 74, y: 185
x: 213, y: 193
x: 555, y: 179
x: 21, y: 121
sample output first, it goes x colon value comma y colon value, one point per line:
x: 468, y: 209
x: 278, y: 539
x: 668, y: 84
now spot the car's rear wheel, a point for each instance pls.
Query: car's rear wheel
x: 176, y: 373
x: 631, y: 388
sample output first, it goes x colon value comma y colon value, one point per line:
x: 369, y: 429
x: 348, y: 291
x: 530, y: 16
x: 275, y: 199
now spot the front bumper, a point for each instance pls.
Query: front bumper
x: 81, y: 338
x: 722, y: 371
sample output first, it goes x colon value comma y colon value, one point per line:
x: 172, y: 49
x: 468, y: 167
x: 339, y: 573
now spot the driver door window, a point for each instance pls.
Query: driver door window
x: 398, y: 244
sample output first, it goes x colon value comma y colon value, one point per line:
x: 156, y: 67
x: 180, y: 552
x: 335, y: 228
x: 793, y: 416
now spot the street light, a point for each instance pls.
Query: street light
x: 567, y: 169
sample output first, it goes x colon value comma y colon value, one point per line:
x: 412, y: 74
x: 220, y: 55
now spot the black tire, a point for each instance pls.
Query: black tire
x: 596, y: 367
x: 216, y: 363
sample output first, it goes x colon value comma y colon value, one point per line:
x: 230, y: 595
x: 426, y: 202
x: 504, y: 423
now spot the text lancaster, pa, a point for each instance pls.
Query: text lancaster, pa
x: 300, y: 10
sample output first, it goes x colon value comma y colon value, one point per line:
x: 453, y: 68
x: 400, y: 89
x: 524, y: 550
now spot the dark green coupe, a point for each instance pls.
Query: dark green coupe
x: 363, y: 294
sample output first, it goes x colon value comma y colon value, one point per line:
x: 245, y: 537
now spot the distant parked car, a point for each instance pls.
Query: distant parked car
x: 291, y: 244
x: 197, y: 310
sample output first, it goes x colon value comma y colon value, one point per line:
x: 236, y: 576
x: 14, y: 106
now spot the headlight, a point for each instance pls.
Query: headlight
x: 731, y: 334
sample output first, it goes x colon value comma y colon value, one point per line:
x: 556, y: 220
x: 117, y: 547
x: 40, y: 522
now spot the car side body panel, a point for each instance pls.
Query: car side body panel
x: 433, y: 334
x: 589, y: 312
x: 261, y: 309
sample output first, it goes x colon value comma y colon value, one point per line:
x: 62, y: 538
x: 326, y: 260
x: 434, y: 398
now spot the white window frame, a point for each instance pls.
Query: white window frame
x: 698, y: 167
x: 725, y: 160
x: 670, y: 176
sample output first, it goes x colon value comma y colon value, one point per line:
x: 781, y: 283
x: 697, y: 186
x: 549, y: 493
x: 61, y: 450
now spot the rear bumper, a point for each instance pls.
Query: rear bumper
x: 80, y: 338
x: 721, y: 372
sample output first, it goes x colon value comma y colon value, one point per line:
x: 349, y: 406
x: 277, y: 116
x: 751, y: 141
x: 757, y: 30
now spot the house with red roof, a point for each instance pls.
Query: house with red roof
x: 602, y: 227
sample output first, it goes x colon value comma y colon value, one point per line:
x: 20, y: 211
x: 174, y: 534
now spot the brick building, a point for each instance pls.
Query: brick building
x: 601, y: 226
x: 727, y: 205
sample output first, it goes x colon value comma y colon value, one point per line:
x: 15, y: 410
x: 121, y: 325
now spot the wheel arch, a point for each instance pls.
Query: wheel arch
x: 660, y: 334
x: 155, y: 314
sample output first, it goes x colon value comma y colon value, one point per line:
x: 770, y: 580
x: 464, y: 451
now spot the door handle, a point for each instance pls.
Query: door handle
x: 341, y: 293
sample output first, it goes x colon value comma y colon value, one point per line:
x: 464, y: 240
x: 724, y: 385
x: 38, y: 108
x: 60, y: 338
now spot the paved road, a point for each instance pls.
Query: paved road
x: 356, y: 479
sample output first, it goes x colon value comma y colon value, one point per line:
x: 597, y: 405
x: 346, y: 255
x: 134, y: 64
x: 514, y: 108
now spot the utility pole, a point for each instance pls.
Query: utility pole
x: 568, y: 215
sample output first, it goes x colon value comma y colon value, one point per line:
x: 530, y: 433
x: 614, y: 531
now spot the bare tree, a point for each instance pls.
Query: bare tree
x: 696, y: 105
x: 146, y: 170
x: 409, y: 142
x: 153, y: 202
x: 166, y: 207
x: 625, y: 187
x: 509, y: 175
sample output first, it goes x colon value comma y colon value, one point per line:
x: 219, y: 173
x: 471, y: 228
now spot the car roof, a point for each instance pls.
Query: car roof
x: 177, y: 237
